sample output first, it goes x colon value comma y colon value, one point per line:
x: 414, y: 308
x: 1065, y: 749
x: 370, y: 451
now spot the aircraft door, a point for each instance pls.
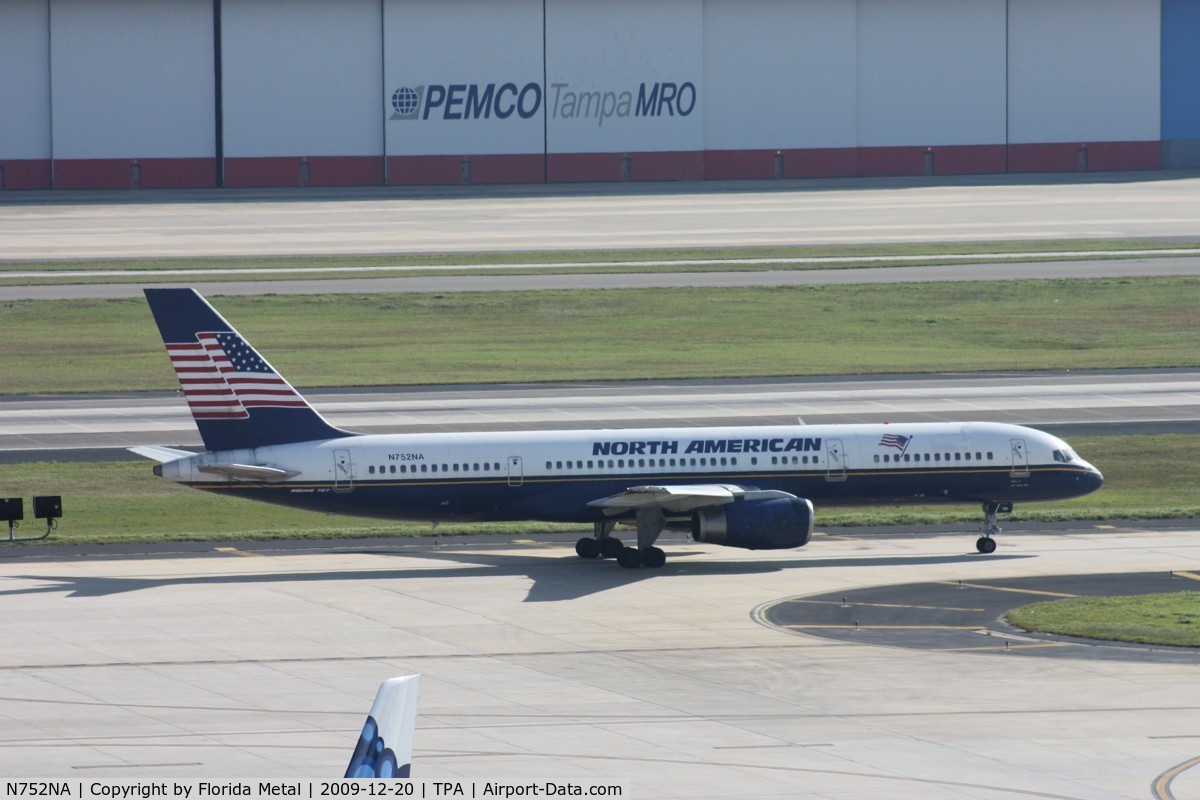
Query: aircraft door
x: 835, y: 460
x: 343, y: 471
x: 516, y: 475
x: 1020, y: 459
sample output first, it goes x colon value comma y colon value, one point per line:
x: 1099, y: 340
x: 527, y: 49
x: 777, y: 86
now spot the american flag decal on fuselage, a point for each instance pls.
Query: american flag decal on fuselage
x: 222, y: 377
x: 898, y: 442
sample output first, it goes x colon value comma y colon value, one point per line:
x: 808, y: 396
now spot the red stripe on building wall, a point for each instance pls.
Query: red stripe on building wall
x: 25, y: 174
x: 177, y: 173
x: 304, y: 171
x: 423, y: 170
x: 1054, y: 157
x: 345, y: 170
x: 891, y: 161
x: 470, y: 169
x: 722, y: 165
x: 643, y: 166
x: 245, y: 173
x: 287, y: 171
x: 820, y: 162
x: 1104, y: 156
x: 968, y: 159
x: 507, y: 168
x: 676, y: 166
x: 587, y: 167
x: 93, y: 173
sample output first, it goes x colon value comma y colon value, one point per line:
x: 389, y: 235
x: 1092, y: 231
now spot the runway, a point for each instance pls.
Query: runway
x: 1086, y: 402
x: 131, y: 225
x: 259, y: 660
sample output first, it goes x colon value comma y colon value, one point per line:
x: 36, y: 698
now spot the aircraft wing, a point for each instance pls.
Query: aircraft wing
x: 671, y: 499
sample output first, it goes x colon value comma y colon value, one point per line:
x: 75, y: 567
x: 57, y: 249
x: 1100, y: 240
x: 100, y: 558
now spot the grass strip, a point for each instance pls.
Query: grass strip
x: 1162, y: 619
x: 624, y: 334
x: 1146, y: 477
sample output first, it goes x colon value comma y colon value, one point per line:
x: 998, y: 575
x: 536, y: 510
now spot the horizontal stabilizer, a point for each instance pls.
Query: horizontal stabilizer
x: 160, y: 454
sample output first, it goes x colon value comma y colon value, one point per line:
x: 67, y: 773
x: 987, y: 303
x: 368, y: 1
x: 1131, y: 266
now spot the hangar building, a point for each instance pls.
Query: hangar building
x: 244, y: 93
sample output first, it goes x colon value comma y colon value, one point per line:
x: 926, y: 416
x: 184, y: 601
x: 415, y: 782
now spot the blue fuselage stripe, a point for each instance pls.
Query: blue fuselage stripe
x: 565, y: 498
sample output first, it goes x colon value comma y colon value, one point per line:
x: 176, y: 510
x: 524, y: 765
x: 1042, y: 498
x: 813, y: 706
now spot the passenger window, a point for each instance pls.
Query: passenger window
x: 989, y: 455
x: 486, y: 467
x: 641, y: 462
x: 958, y: 456
x: 371, y: 470
x: 754, y: 461
x: 722, y: 461
x: 906, y: 458
x: 968, y: 456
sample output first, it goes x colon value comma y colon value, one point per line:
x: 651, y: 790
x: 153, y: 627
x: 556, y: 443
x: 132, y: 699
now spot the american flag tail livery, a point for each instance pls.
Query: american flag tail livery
x: 237, y: 399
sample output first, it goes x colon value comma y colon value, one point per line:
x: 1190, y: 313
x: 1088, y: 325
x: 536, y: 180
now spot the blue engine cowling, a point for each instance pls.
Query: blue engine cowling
x: 772, y: 524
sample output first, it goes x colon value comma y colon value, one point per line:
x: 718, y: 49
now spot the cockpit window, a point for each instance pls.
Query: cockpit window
x: 1064, y: 456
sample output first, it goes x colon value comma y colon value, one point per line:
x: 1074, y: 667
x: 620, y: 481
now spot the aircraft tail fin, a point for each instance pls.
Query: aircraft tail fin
x: 384, y: 748
x: 237, y: 399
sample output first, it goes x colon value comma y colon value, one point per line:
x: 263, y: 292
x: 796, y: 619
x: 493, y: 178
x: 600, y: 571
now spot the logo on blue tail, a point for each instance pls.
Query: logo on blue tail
x: 373, y: 758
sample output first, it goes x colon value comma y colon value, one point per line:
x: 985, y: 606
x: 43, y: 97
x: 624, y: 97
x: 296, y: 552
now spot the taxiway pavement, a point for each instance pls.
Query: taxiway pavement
x: 92, y: 225
x: 259, y: 660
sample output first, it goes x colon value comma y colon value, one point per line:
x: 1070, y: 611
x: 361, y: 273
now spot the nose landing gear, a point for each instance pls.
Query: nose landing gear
x: 985, y: 543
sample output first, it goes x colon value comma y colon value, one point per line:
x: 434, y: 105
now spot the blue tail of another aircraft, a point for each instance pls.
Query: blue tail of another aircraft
x: 237, y: 399
x: 384, y: 748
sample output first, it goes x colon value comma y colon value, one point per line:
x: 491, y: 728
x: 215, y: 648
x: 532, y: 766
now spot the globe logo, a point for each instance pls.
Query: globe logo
x: 405, y: 101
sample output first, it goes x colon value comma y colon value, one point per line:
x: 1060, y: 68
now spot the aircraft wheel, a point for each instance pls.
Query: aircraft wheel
x: 629, y: 557
x: 587, y: 547
x: 985, y: 544
x: 653, y: 557
x: 610, y: 547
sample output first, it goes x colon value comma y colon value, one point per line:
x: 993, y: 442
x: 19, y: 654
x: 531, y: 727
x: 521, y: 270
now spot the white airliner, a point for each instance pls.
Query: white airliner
x: 749, y: 487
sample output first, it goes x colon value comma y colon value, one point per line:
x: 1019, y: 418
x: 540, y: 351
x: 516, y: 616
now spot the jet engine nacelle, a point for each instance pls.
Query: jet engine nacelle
x: 772, y: 524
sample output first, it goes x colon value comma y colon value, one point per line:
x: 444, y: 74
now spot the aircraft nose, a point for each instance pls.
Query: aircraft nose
x: 1095, y: 479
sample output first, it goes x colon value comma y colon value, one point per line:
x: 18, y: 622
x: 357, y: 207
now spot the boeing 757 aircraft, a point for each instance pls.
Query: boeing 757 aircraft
x: 749, y: 487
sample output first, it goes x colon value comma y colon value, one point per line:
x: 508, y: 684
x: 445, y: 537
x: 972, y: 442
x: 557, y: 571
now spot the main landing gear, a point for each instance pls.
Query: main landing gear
x: 985, y: 543
x: 604, y: 545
